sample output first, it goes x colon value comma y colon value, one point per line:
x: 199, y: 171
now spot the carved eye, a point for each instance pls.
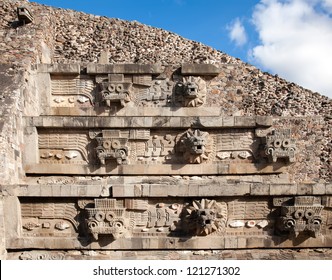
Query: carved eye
x: 119, y: 88
x: 316, y: 222
x: 309, y: 213
x: 116, y: 144
x: 298, y: 214
x: 118, y: 224
x: 107, y: 144
x: 277, y: 143
x: 111, y: 87
x: 286, y: 143
x: 290, y: 223
x: 100, y: 216
x: 92, y: 225
x: 110, y: 216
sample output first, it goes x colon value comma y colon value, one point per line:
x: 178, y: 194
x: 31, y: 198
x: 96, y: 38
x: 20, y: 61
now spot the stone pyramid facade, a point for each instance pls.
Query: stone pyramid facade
x: 118, y: 138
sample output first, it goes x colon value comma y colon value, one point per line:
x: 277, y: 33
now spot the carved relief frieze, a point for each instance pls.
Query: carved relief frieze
x: 107, y: 217
x: 158, y: 94
x: 280, y: 144
x: 238, y: 150
x: 123, y: 88
x: 206, y: 216
x: 115, y: 89
x: 191, y: 92
x: 299, y: 215
x: 63, y: 147
x: 72, y: 91
x: 195, y: 146
x: 248, y: 214
x: 113, y: 144
x: 237, y: 145
x: 49, y: 219
x: 107, y: 220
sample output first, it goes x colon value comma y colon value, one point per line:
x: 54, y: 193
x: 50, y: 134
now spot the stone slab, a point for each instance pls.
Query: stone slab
x: 139, y: 121
x: 124, y: 69
x: 63, y: 69
x: 162, y: 169
x: 137, y: 243
x: 200, y: 69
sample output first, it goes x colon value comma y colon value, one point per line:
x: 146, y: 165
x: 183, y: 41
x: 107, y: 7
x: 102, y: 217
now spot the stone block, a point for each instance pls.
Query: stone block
x: 158, y: 190
x: 304, y: 189
x: 63, y: 69
x: 12, y: 216
x: 228, y: 122
x: 211, y: 121
x: 264, y: 121
x: 260, y: 189
x: 328, y: 188
x: 318, y: 189
x: 193, y: 190
x: 118, y: 191
x: 283, y: 189
x: 34, y: 190
x: 124, y: 69
x: 231, y: 242
x: 200, y: 69
x: 244, y: 121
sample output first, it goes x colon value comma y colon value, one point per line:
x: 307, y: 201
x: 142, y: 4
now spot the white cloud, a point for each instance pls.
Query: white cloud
x: 237, y: 33
x: 296, y: 41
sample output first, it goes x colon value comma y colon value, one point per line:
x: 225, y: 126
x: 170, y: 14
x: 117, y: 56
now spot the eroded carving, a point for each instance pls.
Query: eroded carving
x: 206, y: 216
x: 279, y: 144
x: 301, y: 214
x: 49, y: 219
x: 237, y: 144
x: 62, y: 148
x: 115, y: 90
x: 191, y: 91
x: 107, y: 218
x: 72, y: 91
x: 195, y: 146
x: 113, y: 144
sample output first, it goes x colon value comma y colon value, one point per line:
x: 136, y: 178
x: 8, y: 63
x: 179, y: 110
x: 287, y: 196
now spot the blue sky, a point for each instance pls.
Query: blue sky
x: 291, y: 38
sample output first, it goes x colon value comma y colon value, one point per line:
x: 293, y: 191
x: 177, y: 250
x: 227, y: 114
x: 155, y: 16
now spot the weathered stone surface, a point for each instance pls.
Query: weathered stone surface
x: 124, y: 69
x: 199, y: 69
x: 193, y: 124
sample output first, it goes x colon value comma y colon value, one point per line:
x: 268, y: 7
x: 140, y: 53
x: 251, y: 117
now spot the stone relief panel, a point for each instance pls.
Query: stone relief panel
x: 249, y: 215
x: 206, y: 216
x: 196, y: 146
x: 299, y: 215
x: 191, y: 92
x: 49, y: 219
x: 105, y: 150
x: 72, y: 91
x: 280, y: 144
x: 63, y: 148
x: 117, y: 86
x: 114, y: 89
x: 107, y: 220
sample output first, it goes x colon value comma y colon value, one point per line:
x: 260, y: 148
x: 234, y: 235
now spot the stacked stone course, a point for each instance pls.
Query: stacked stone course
x: 44, y: 62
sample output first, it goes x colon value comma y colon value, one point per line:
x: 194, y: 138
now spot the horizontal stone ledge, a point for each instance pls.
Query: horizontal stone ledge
x: 175, y: 243
x: 135, y: 111
x: 124, y: 69
x: 200, y: 69
x: 64, y: 69
x: 148, y: 122
x: 156, y: 169
x: 70, y: 190
x: 188, y: 189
